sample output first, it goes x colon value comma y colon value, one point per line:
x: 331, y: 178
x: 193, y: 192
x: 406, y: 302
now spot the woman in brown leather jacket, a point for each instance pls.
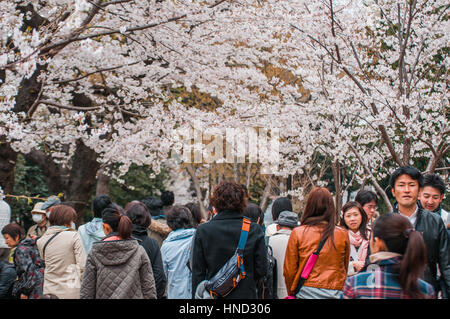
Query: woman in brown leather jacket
x: 318, y: 222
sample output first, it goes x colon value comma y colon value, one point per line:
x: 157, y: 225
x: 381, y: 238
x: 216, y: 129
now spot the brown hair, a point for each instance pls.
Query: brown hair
x: 320, y: 208
x: 13, y: 230
x: 228, y: 196
x: 138, y: 213
x: 400, y: 237
x: 363, y: 227
x: 113, y: 216
x: 61, y: 215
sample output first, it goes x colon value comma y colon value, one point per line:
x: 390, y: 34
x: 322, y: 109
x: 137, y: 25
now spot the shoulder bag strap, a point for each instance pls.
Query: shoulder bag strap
x: 309, y: 266
x: 244, y: 233
x: 241, y: 245
x: 48, y: 241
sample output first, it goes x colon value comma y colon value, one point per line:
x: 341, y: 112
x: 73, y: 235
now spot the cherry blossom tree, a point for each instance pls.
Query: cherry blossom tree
x: 377, y: 73
x: 84, y: 83
x: 89, y: 83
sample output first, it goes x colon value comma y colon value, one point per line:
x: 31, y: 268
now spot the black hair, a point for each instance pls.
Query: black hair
x: 435, y: 181
x: 365, y: 196
x: 363, y: 226
x: 154, y: 205
x: 400, y: 237
x: 99, y: 203
x: 194, y: 208
x: 179, y: 217
x: 114, y: 216
x: 253, y: 212
x: 138, y: 213
x: 279, y: 205
x: 167, y: 198
x: 412, y: 172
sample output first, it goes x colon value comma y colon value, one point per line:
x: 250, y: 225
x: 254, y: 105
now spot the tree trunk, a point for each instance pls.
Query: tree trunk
x: 103, y: 179
x: 266, y: 194
x: 198, y: 190
x: 8, y: 158
x: 77, y: 185
x: 336, y: 169
x: 82, y: 178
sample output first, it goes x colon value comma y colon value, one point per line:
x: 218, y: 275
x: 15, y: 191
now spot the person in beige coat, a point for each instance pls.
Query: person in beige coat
x: 63, y: 253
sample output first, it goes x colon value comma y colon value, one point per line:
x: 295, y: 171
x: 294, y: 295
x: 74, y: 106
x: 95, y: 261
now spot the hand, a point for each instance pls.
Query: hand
x: 22, y: 296
x: 358, y: 265
x: 33, y: 237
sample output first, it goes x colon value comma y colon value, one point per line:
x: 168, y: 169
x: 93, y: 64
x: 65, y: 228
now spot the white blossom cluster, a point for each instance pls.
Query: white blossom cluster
x: 372, y: 69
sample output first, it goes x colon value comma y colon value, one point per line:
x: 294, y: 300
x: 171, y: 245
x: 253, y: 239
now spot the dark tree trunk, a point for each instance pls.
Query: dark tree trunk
x: 8, y: 158
x: 82, y: 178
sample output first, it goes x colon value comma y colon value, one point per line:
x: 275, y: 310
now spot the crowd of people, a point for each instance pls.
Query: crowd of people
x: 155, y: 249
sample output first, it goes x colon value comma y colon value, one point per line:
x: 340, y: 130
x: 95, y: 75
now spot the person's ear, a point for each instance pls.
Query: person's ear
x: 107, y: 229
x: 379, y: 244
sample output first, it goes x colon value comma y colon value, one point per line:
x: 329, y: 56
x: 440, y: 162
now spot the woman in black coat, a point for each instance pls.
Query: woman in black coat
x: 140, y: 217
x: 216, y: 241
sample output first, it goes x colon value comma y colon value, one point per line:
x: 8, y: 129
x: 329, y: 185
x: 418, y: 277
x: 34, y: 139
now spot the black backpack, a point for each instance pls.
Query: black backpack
x: 267, y: 288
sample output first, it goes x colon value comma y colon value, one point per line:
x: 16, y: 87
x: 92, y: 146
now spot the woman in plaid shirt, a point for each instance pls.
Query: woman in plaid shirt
x: 397, y: 261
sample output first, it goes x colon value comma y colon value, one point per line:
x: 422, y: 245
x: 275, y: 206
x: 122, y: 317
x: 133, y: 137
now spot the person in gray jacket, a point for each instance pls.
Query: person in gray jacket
x: 117, y: 267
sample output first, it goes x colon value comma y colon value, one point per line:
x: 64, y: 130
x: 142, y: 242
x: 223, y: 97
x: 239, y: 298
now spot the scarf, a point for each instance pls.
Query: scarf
x: 358, y: 241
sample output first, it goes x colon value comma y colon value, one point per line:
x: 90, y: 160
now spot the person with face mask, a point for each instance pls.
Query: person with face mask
x: 40, y: 218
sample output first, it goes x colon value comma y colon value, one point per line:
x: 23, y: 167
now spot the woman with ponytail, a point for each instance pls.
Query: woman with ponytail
x: 397, y: 262
x: 117, y: 267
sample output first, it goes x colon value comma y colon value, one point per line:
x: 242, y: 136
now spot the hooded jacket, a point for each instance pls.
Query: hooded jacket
x: 118, y: 269
x: 175, y: 252
x: 91, y: 232
x: 158, y: 230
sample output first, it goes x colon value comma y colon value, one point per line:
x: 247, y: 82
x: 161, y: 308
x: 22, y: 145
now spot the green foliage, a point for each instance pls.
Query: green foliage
x: 29, y: 181
x: 143, y: 186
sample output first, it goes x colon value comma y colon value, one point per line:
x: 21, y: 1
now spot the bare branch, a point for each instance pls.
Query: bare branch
x: 69, y: 107
x: 374, y: 181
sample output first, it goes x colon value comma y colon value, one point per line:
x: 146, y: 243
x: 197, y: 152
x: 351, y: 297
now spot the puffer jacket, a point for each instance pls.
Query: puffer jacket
x: 175, y: 252
x: 118, y: 269
x: 330, y: 270
x: 435, y: 236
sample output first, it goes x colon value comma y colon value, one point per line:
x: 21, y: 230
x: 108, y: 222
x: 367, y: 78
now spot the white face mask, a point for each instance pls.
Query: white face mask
x: 37, y: 218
